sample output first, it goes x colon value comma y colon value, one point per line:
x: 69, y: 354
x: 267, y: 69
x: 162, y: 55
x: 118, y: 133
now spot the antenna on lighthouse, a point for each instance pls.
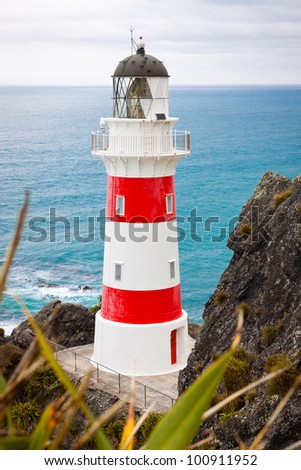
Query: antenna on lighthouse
x: 132, y: 40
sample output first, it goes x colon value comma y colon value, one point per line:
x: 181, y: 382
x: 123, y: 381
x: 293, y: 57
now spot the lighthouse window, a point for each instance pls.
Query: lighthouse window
x: 119, y: 205
x: 138, y: 98
x: 132, y: 97
x: 169, y: 208
x: 118, y: 267
x: 172, y: 269
x: 139, y: 88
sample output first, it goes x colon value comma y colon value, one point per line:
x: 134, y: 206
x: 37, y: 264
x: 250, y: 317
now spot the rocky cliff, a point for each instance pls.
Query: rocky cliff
x: 264, y: 278
x: 72, y: 326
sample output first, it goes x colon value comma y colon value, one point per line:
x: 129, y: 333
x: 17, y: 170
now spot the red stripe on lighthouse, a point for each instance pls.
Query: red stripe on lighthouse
x: 144, y: 199
x: 141, y: 307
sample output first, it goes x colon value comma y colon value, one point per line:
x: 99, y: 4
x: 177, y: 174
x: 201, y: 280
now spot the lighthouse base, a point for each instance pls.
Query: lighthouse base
x: 152, y: 349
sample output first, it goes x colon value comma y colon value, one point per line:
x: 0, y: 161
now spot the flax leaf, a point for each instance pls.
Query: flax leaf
x: 176, y: 430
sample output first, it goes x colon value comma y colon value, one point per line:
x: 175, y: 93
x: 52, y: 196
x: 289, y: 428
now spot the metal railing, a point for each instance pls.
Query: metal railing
x: 135, y: 145
x: 110, y: 380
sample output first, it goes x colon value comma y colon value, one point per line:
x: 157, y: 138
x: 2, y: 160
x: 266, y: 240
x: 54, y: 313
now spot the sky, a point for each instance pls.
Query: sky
x: 201, y: 42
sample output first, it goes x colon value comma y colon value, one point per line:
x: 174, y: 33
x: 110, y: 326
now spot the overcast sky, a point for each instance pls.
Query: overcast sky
x: 79, y: 42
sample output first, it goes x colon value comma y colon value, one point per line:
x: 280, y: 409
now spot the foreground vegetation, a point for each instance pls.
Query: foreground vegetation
x: 28, y: 425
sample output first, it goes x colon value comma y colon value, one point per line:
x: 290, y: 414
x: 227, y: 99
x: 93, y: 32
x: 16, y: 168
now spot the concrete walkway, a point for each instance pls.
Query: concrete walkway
x: 159, y: 391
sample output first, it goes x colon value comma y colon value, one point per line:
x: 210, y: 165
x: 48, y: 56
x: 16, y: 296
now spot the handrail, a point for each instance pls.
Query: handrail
x: 100, y: 367
x: 137, y: 145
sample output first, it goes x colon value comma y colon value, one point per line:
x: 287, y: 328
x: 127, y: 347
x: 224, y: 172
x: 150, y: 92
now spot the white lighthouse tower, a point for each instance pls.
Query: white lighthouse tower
x: 141, y: 327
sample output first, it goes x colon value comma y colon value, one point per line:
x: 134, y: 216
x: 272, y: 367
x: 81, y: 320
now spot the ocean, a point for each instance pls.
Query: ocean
x: 237, y: 134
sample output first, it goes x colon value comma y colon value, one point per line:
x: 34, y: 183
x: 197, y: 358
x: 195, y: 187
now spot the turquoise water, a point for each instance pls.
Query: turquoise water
x: 237, y: 134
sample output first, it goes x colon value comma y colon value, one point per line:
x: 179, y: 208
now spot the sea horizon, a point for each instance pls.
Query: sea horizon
x: 171, y: 85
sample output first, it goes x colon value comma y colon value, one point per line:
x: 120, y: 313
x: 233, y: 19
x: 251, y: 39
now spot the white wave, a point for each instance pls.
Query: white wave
x: 55, y: 291
x: 45, y: 290
x: 43, y: 274
x: 9, y: 324
x: 62, y: 292
x: 43, y: 294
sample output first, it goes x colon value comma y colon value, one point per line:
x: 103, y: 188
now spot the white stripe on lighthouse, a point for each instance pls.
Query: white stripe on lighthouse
x: 145, y: 256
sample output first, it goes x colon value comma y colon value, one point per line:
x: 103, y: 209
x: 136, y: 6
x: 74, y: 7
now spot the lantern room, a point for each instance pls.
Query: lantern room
x: 140, y: 87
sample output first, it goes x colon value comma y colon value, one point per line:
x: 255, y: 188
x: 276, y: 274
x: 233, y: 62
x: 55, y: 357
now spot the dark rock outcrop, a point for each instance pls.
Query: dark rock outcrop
x: 264, y: 276
x: 72, y: 326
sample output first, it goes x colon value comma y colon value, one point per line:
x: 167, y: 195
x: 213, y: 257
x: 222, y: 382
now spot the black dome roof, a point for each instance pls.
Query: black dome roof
x: 140, y: 65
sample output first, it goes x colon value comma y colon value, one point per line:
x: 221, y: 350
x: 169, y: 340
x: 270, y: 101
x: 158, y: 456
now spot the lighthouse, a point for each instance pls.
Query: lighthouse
x: 141, y: 328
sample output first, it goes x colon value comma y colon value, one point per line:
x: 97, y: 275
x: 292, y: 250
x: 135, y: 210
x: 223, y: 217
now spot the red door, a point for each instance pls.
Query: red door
x: 173, y: 347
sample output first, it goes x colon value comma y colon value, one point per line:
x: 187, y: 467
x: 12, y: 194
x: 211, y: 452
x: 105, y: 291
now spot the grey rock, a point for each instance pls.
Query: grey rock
x: 22, y: 337
x: 72, y: 326
x: 264, y: 273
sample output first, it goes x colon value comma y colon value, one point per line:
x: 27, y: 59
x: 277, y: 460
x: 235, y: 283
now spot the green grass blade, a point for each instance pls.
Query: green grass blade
x: 2, y: 384
x: 176, y: 430
x: 61, y: 375
x: 44, y: 428
x: 14, y: 443
x: 13, y: 245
